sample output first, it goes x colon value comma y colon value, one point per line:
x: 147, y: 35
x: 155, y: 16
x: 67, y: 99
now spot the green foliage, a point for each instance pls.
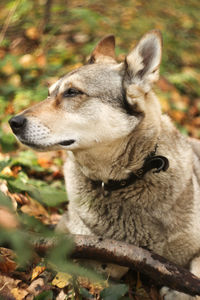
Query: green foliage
x: 5, y: 200
x: 7, y: 141
x: 17, y: 239
x: 57, y: 259
x: 90, y: 19
x: 41, y: 191
x: 26, y: 159
x: 46, y: 295
x: 85, y: 293
x: 45, y: 193
x: 114, y: 292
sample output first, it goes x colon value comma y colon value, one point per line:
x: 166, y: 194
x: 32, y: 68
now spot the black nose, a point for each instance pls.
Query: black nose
x: 17, y: 123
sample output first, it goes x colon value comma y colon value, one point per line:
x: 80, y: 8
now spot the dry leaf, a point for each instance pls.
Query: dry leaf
x: 7, y: 262
x: 62, y: 279
x: 7, y: 171
x: 164, y: 103
x: 36, y: 286
x: 3, y: 186
x: 10, y: 109
x: 37, y: 271
x: 8, y: 69
x: 44, y: 162
x: 177, y: 115
x: 165, y: 85
x: 6, y: 285
x: 93, y: 287
x: 139, y: 283
x: 16, y: 170
x: 2, y: 53
x: 34, y: 208
x: 41, y: 60
x: 19, y: 198
x: 19, y: 294
x: 196, y: 121
x: 32, y: 33
x: 27, y: 60
x: 15, y: 80
x: 61, y: 296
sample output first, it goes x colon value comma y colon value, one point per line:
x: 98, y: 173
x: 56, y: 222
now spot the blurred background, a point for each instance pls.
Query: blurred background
x: 41, y: 40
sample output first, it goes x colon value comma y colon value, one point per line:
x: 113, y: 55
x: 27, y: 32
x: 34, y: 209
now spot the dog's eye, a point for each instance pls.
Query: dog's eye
x: 72, y: 92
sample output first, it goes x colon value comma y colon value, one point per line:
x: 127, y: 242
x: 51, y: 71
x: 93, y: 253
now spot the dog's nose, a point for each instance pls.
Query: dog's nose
x: 17, y: 123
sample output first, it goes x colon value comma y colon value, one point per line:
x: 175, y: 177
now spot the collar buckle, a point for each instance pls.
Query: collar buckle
x: 139, y: 173
x: 105, y: 192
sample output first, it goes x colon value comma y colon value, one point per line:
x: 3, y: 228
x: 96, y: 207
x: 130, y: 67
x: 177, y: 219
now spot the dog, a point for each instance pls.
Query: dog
x: 130, y: 175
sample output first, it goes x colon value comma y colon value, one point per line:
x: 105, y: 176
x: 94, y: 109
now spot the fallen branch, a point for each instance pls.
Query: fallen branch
x: 154, y: 266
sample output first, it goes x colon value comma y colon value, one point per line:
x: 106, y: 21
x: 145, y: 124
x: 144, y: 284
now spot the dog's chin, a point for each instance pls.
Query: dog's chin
x: 40, y: 148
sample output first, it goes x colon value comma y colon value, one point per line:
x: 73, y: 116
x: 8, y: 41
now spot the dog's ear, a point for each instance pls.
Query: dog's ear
x: 142, y: 64
x: 141, y: 69
x: 104, y: 52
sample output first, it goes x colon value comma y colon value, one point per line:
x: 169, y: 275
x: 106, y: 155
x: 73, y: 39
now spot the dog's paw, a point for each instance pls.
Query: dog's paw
x: 169, y: 294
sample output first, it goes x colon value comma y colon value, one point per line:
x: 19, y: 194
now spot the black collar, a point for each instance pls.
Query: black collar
x: 152, y: 161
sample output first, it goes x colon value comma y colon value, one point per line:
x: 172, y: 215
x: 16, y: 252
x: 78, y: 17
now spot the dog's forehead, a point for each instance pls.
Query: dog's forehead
x: 95, y: 76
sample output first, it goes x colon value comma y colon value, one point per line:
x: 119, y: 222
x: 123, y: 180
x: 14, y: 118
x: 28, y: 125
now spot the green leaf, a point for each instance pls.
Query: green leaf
x: 58, y: 259
x: 50, y: 196
x: 46, y: 295
x: 114, y: 292
x: 85, y: 293
x: 27, y: 159
x: 44, y: 194
x: 17, y: 185
x: 5, y: 200
x: 7, y: 142
x: 18, y: 241
x: 4, y: 163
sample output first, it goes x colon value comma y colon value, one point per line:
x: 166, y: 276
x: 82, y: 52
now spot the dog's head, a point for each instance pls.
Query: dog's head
x: 96, y: 103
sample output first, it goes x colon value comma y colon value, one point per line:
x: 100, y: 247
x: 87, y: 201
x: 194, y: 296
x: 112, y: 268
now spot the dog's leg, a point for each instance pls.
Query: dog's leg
x: 169, y: 294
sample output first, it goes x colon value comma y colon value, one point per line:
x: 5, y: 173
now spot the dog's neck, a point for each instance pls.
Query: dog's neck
x: 114, y: 160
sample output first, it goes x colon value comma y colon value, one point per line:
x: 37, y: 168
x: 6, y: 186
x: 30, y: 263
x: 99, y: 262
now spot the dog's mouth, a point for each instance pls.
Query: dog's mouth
x: 66, y: 143
x: 37, y: 146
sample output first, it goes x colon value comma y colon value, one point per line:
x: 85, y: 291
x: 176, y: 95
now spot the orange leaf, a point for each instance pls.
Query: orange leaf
x: 7, y: 171
x: 7, y: 263
x: 37, y: 271
x: 44, y: 162
x: 32, y: 33
x: 41, y: 60
x: 34, y: 208
x: 19, y: 294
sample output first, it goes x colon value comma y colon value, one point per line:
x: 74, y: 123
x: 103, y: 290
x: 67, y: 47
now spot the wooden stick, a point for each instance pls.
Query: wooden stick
x: 162, y: 271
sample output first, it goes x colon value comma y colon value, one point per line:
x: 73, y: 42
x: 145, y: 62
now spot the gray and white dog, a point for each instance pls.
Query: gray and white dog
x: 130, y: 175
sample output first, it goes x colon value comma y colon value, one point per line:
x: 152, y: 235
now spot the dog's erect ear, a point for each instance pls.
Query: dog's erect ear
x: 104, y: 52
x: 142, y: 69
x: 143, y: 62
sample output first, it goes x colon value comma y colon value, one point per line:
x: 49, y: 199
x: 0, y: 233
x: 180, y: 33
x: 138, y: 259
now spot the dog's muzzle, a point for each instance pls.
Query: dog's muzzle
x: 18, y: 123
